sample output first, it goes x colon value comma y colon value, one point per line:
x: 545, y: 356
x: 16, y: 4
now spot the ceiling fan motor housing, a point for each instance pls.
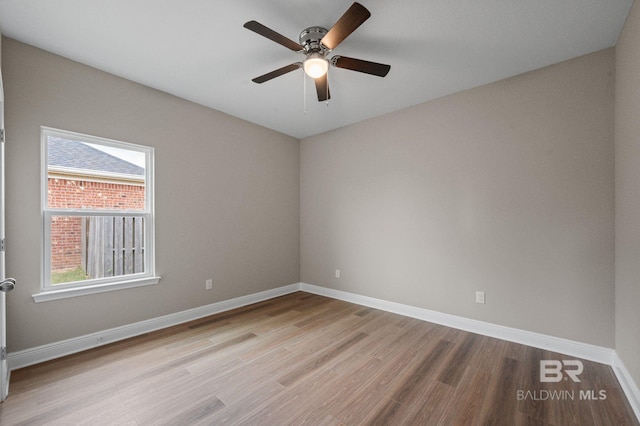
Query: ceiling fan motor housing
x: 310, y: 40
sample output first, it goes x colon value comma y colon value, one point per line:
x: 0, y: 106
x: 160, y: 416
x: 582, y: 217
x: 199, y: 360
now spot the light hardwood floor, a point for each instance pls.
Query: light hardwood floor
x: 307, y: 359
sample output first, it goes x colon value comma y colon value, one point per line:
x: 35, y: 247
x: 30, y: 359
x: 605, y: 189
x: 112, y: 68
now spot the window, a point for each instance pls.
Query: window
x: 97, y: 204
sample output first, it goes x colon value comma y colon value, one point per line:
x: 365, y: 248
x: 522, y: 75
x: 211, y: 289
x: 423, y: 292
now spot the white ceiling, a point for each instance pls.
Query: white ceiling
x: 198, y: 49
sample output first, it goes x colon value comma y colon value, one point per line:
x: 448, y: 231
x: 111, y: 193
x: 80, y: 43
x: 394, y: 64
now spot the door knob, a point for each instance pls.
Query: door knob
x: 8, y: 285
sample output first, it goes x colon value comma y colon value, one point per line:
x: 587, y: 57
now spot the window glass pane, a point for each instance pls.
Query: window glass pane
x: 84, y: 175
x: 97, y: 209
x: 88, y: 247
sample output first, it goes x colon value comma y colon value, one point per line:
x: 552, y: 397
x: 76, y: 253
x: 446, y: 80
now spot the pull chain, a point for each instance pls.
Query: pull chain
x: 304, y: 96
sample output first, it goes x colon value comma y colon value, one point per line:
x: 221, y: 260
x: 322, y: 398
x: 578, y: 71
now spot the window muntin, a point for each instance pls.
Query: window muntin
x: 97, y: 211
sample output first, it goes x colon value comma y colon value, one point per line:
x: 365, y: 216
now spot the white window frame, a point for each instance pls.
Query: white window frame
x: 49, y: 291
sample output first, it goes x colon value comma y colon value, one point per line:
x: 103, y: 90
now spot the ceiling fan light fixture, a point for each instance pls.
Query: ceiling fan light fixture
x: 315, y: 43
x: 315, y: 65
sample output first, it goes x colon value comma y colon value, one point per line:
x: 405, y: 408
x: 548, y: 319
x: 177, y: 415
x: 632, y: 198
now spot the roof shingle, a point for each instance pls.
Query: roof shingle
x: 78, y: 155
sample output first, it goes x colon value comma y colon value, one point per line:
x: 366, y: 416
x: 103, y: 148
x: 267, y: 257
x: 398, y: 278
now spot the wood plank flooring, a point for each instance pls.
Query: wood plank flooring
x: 306, y: 359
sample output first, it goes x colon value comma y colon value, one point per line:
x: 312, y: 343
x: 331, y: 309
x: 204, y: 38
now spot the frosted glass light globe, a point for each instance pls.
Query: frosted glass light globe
x: 315, y: 66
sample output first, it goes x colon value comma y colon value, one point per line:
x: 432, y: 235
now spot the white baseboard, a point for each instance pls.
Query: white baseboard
x: 57, y: 349
x: 54, y: 350
x: 627, y: 383
x: 537, y: 340
x: 595, y: 353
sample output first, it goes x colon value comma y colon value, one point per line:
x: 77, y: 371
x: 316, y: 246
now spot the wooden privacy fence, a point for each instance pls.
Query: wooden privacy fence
x: 114, y: 245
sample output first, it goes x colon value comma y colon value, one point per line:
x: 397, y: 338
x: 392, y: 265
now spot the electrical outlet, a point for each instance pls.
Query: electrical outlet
x: 208, y: 285
x: 337, y: 273
x: 479, y: 296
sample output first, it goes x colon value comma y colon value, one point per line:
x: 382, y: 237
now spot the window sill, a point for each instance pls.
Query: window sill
x: 48, y: 295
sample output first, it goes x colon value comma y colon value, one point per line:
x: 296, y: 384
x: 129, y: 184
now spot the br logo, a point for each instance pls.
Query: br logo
x: 554, y: 371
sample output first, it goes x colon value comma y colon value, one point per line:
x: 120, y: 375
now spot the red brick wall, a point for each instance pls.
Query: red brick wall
x: 66, y: 239
x: 66, y: 232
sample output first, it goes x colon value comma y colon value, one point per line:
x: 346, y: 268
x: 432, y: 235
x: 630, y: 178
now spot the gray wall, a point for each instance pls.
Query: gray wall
x: 627, y: 191
x: 506, y: 188
x: 227, y: 200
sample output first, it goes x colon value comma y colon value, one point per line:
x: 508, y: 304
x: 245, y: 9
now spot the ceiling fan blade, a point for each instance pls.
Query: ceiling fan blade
x: 352, y: 19
x: 258, y: 28
x: 277, y: 73
x: 322, y: 88
x: 360, y: 65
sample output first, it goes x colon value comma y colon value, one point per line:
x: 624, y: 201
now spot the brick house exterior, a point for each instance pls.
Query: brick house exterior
x: 66, y: 232
x: 120, y: 188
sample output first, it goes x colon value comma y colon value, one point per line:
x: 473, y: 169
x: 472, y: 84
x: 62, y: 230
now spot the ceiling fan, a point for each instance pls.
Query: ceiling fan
x: 316, y: 43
